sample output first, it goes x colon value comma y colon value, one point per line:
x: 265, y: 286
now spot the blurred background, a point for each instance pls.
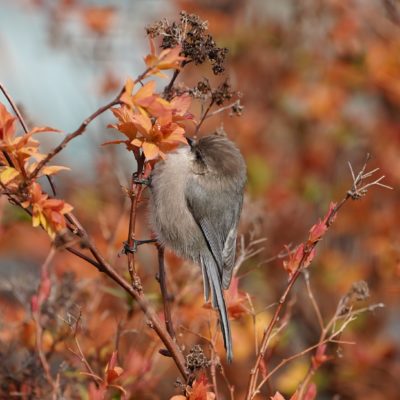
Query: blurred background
x: 320, y: 83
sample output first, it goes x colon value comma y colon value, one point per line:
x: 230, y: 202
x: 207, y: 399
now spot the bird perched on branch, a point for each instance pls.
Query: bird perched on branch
x: 196, y: 201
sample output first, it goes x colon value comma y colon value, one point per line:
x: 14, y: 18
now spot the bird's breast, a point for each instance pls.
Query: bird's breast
x: 170, y: 217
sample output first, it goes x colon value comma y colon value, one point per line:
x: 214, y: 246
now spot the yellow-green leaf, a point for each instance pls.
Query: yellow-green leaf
x: 8, y: 174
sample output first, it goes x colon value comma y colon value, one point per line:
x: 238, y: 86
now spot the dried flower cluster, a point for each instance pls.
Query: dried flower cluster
x: 191, y: 34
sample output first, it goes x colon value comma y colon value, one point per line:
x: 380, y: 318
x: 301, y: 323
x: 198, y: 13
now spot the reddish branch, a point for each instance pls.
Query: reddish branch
x: 164, y: 292
x: 358, y: 190
x: 135, y: 194
x: 74, y: 134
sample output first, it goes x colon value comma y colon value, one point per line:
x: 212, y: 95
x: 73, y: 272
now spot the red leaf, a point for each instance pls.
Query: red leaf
x: 293, y: 261
x: 311, y: 393
x: 317, y: 231
x: 112, y: 370
x: 199, y: 389
x: 332, y: 206
x: 320, y: 356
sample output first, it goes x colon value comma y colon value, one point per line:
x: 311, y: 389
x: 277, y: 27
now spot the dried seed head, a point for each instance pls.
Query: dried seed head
x: 191, y: 33
x: 359, y: 291
x: 196, y: 359
x: 222, y: 93
x: 237, y: 109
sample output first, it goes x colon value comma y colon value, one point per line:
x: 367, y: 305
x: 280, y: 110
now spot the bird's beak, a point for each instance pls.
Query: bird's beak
x: 190, y: 141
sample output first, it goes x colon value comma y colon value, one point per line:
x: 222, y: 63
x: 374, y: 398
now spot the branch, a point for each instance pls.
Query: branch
x: 314, y: 303
x: 15, y: 108
x: 222, y: 109
x: 164, y: 292
x: 103, y: 266
x: 82, y: 128
x: 357, y: 191
x: 135, y: 193
x: 74, y: 134
x: 154, y: 322
x: 80, y: 354
x: 203, y: 117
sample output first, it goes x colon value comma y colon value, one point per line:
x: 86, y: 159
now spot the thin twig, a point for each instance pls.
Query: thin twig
x: 222, y: 109
x: 36, y: 315
x: 80, y: 355
x: 168, y: 88
x: 306, y: 275
x: 164, y: 292
x: 154, y: 321
x: 15, y: 108
x: 135, y: 193
x: 73, y: 135
x: 203, y: 117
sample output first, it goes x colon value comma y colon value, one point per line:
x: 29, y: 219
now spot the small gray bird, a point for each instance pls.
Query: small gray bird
x: 197, y: 196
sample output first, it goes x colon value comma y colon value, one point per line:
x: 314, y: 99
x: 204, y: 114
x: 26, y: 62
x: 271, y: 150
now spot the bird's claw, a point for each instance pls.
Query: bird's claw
x: 142, y: 181
x: 131, y: 249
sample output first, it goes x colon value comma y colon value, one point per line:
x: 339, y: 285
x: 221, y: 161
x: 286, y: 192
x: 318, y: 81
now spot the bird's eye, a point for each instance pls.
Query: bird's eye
x: 199, y: 156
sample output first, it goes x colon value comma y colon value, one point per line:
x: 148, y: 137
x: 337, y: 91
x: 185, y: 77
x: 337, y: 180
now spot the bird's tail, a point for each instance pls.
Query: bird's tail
x: 213, y: 284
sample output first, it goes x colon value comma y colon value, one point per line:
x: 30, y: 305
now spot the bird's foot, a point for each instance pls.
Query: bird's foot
x: 142, y: 181
x: 133, y: 249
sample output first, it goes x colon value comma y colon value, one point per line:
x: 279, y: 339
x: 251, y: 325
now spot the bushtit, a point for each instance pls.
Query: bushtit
x: 197, y: 196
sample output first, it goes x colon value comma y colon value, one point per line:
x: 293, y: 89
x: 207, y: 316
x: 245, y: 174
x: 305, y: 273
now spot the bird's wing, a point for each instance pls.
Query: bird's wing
x: 207, y: 215
x: 228, y: 257
x: 218, y: 220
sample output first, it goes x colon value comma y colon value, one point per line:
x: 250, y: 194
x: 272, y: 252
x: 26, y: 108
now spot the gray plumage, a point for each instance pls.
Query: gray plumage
x: 197, y: 196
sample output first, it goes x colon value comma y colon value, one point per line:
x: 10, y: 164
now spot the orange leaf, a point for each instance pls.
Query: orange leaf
x: 143, y: 124
x: 7, y: 124
x: 142, y: 98
x: 150, y: 150
x: 167, y: 59
x: 53, y: 169
x: 41, y: 129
